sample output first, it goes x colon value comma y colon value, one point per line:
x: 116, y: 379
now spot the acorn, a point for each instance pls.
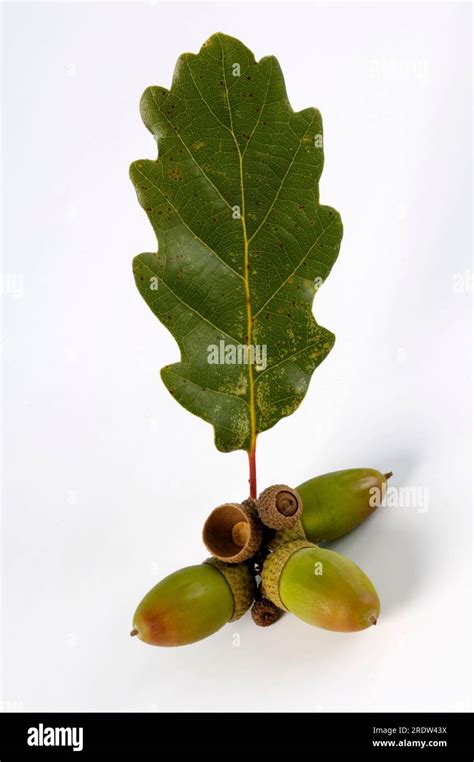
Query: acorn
x: 233, y: 532
x: 335, y: 503
x: 193, y: 603
x: 279, y: 507
x: 321, y: 587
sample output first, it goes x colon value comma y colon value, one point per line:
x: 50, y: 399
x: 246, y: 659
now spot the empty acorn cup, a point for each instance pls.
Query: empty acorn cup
x: 279, y: 507
x: 232, y: 532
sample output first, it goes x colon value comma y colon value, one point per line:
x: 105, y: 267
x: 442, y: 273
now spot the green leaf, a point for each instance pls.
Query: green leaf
x: 243, y: 241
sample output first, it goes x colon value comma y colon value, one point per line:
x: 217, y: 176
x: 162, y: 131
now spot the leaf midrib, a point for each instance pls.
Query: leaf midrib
x: 246, y: 269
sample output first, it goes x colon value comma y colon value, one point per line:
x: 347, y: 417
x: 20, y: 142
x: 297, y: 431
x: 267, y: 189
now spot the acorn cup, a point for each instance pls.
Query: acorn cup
x: 279, y: 507
x: 264, y: 612
x: 321, y: 587
x: 336, y: 503
x: 193, y: 603
x: 233, y: 532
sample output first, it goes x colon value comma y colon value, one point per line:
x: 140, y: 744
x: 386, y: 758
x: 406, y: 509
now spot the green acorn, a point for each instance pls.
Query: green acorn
x: 193, y: 603
x: 335, y: 503
x: 321, y: 587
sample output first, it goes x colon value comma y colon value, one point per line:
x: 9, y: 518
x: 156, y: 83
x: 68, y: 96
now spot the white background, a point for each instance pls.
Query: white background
x: 107, y: 480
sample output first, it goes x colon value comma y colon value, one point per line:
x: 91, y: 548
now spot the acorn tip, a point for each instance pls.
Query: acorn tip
x: 373, y: 620
x: 133, y: 632
x: 388, y: 474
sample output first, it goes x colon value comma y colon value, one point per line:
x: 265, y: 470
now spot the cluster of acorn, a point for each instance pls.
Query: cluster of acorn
x: 265, y: 555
